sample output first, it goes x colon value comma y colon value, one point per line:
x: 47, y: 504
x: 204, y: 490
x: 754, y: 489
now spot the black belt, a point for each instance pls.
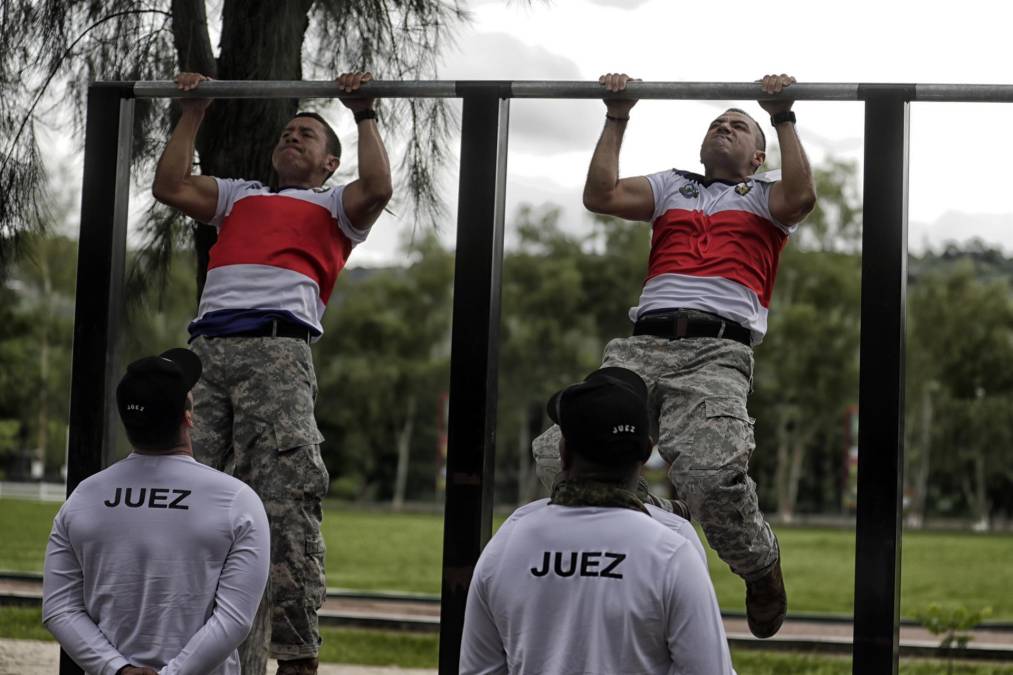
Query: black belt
x: 678, y: 325
x: 277, y: 329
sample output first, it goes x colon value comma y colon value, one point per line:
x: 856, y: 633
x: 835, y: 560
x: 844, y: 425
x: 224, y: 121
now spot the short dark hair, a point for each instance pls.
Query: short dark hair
x: 761, y: 141
x: 333, y: 144
x: 154, y: 395
x: 152, y: 441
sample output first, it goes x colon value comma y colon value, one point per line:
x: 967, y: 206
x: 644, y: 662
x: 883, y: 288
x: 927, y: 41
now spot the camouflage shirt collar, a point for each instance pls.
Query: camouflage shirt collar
x: 591, y: 492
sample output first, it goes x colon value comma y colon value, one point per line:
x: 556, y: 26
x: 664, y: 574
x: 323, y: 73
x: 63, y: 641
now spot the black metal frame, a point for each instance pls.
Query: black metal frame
x: 475, y: 339
x: 881, y: 383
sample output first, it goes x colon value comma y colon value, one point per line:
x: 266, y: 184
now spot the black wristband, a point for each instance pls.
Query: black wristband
x: 617, y: 119
x: 782, y: 117
x: 367, y: 114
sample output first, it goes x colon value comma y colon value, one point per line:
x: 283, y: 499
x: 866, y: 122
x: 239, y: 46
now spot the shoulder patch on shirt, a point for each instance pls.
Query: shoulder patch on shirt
x: 689, y: 191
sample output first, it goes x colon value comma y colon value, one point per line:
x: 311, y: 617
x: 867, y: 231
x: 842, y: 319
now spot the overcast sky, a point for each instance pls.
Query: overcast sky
x: 959, y: 152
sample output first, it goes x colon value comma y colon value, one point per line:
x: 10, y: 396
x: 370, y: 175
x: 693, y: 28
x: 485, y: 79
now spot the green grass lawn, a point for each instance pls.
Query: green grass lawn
x: 402, y: 552
x: 410, y: 650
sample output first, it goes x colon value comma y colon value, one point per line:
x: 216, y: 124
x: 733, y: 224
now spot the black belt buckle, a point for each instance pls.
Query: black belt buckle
x: 678, y: 325
x: 681, y: 326
x: 277, y: 329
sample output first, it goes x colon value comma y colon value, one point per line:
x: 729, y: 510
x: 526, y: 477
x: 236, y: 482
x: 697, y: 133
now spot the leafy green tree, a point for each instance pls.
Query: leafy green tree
x: 806, y: 371
x: 959, y: 328
x: 564, y: 297
x: 381, y: 371
x: 52, y: 44
x: 47, y: 285
x: 548, y: 334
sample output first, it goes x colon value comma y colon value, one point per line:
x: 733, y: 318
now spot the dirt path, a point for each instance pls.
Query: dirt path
x: 33, y: 657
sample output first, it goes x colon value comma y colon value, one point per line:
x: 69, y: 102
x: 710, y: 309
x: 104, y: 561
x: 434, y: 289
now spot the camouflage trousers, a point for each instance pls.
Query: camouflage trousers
x: 697, y: 393
x: 253, y: 418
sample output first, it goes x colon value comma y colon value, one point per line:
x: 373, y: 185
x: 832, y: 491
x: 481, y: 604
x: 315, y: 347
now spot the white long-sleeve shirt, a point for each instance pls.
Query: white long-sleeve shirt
x: 565, y: 590
x: 156, y: 561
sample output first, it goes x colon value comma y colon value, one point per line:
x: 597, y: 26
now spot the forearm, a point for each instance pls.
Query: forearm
x: 212, y: 644
x: 374, y: 166
x: 240, y: 591
x: 176, y: 162
x: 85, y: 643
x: 796, y: 174
x: 603, y: 173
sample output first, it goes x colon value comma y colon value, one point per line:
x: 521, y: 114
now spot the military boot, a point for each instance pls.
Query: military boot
x: 766, y: 602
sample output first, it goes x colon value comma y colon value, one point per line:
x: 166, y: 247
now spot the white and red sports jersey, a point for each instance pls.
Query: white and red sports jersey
x: 279, y: 253
x: 715, y: 247
x: 591, y: 590
x: 158, y: 561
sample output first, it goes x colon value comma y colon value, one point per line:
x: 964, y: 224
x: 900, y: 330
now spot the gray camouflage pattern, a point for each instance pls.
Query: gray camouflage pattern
x: 590, y: 492
x: 253, y: 418
x: 697, y: 392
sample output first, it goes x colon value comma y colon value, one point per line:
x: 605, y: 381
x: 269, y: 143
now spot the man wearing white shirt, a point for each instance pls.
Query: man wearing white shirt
x: 157, y: 563
x: 592, y: 580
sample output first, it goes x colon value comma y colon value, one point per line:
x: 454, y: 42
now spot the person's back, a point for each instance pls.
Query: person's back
x: 597, y: 590
x: 157, y: 562
x: 152, y: 534
x: 590, y: 582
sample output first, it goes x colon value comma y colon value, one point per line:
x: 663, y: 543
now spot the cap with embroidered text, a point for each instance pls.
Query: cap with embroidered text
x: 152, y: 394
x: 604, y: 418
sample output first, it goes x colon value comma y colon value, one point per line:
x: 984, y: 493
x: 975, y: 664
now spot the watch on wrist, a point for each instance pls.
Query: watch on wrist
x: 361, y: 115
x: 782, y: 117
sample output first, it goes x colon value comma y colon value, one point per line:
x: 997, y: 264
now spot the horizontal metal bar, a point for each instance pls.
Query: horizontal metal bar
x: 805, y: 91
x: 685, y: 90
x: 965, y: 93
x: 296, y: 89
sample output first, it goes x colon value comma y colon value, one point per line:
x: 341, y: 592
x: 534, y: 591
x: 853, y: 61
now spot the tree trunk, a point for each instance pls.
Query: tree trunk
x: 980, y: 502
x: 523, y: 461
x: 798, y: 448
x: 920, y: 482
x: 404, y: 440
x: 253, y: 655
x: 42, y: 433
x: 260, y: 40
x: 784, y: 511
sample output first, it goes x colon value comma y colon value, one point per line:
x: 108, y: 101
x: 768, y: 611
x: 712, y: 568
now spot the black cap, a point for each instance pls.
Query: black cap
x: 604, y: 418
x: 151, y: 396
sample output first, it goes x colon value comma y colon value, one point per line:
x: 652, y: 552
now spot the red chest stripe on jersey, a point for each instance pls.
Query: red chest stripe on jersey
x: 735, y: 245
x: 283, y: 232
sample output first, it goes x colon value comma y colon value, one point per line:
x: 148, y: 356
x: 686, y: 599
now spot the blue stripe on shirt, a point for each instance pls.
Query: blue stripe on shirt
x: 225, y: 322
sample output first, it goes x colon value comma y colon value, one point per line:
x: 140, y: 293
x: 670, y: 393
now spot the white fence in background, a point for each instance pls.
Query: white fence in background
x: 43, y: 492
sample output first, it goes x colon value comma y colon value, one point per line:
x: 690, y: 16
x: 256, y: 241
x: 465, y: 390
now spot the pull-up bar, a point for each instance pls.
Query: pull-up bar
x: 477, y: 275
x: 808, y: 91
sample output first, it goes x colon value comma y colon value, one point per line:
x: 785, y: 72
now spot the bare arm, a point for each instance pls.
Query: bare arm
x: 604, y: 191
x: 365, y: 197
x: 174, y: 184
x: 794, y: 196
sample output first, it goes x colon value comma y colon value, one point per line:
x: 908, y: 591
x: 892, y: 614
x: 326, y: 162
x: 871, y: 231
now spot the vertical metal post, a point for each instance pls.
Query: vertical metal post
x: 101, y: 253
x: 471, y: 437
x: 881, y: 382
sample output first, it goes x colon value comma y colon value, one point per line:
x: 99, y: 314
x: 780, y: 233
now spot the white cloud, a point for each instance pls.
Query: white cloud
x: 958, y: 226
x: 549, y: 126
